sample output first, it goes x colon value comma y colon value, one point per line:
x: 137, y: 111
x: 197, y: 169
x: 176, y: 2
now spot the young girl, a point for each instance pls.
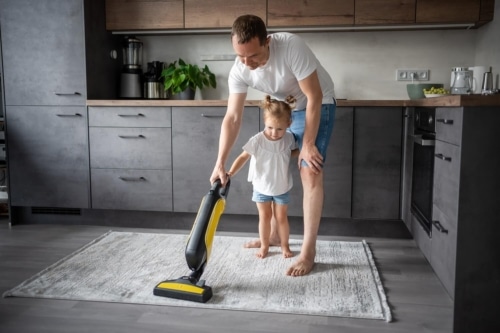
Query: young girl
x: 270, y: 152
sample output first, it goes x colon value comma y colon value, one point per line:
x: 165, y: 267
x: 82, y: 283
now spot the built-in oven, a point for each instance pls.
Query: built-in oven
x: 423, y: 166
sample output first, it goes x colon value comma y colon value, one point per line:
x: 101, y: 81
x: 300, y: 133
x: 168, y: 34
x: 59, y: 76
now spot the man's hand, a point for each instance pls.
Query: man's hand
x: 310, y: 154
x: 219, y: 173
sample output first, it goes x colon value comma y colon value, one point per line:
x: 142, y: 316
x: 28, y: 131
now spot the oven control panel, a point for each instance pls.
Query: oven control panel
x: 425, y: 120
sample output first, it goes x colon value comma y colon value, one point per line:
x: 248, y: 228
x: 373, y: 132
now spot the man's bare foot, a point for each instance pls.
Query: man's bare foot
x: 287, y: 253
x: 262, y: 253
x: 300, y: 267
x: 255, y: 243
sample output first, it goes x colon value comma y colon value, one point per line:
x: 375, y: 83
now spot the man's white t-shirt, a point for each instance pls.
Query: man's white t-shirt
x: 269, y: 169
x: 290, y: 61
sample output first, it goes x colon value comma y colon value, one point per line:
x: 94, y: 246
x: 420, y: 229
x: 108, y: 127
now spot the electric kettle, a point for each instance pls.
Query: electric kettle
x: 461, y: 81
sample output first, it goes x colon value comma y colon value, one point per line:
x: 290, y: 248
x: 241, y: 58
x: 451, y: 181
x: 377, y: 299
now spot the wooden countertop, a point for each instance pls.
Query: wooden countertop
x: 450, y: 100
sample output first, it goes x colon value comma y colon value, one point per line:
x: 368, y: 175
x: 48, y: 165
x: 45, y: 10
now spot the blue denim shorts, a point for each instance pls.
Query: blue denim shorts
x: 282, y: 199
x: 324, y: 131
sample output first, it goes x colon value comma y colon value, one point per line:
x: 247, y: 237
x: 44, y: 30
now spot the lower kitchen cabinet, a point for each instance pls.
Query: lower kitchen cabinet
x: 195, y: 144
x: 131, y: 158
x: 377, y: 162
x: 407, y: 166
x: 48, y: 156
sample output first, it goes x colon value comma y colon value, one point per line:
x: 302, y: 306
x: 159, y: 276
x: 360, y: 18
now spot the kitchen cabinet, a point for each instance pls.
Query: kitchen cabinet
x: 377, y: 162
x: 131, y: 158
x: 448, y: 11
x: 337, y: 171
x: 384, y: 12
x: 294, y: 13
x: 144, y: 14
x: 48, y: 156
x: 407, y: 167
x: 195, y: 143
x: 207, y: 14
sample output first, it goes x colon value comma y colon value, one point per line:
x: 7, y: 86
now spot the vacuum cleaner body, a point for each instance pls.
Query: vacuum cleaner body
x: 198, y: 249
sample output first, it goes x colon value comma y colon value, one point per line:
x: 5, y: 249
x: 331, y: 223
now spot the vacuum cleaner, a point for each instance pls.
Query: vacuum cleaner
x: 198, y: 249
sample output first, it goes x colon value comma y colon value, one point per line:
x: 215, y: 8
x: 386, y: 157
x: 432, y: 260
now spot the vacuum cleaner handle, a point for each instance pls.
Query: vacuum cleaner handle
x: 222, y: 191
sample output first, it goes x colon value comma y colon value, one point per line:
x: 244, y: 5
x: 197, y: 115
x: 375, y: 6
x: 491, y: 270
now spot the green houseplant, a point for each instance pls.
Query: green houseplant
x: 179, y: 77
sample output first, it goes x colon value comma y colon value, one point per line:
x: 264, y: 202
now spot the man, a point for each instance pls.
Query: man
x: 281, y: 64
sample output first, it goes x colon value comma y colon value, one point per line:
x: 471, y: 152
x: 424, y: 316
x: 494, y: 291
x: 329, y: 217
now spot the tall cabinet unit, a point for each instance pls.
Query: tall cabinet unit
x: 49, y: 46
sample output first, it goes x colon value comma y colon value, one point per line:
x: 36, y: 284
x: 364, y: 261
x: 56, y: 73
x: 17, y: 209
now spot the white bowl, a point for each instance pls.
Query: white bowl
x: 435, y: 95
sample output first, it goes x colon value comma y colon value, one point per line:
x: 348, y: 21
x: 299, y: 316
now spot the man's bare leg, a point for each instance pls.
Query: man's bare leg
x: 274, y: 238
x: 313, y: 206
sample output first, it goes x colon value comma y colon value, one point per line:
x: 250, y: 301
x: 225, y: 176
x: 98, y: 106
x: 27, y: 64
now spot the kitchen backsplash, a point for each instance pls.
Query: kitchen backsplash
x: 362, y: 64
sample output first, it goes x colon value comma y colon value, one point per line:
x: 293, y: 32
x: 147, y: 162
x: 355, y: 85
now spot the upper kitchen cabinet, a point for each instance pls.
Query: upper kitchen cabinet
x: 294, y: 13
x: 145, y: 14
x: 220, y: 13
x: 448, y: 11
x: 386, y: 12
x: 51, y: 56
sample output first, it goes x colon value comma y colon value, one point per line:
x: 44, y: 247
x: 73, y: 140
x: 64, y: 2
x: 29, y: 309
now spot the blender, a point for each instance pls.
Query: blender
x: 130, y: 83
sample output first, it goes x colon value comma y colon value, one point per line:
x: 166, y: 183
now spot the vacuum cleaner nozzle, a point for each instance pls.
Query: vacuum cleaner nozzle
x: 185, y: 289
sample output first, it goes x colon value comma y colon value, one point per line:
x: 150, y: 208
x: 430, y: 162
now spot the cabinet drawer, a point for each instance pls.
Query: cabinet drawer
x: 128, y: 189
x: 113, y: 116
x: 446, y: 178
x: 449, y: 125
x: 130, y: 148
x: 444, y: 249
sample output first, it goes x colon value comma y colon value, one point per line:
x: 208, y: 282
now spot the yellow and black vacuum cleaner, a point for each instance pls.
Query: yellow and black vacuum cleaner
x: 198, y: 249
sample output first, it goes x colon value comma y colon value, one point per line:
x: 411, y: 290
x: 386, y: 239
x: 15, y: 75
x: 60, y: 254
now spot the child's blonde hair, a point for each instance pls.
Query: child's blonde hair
x: 278, y: 109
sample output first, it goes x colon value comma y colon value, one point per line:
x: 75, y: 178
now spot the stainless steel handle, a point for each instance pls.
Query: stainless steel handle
x: 442, y: 157
x: 439, y: 227
x: 131, y: 115
x: 445, y: 121
x: 212, y: 115
x: 132, y: 179
x: 424, y: 142
x: 140, y: 136
x: 76, y: 93
x: 68, y: 115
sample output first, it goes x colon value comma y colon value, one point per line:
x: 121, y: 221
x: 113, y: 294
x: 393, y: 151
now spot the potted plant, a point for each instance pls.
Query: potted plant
x: 182, y: 79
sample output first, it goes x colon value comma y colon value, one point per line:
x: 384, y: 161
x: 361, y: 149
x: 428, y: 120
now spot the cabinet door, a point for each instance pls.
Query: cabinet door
x: 295, y: 13
x: 407, y: 168
x: 144, y: 15
x: 220, y: 13
x: 377, y: 162
x: 448, y: 11
x: 337, y: 172
x: 43, y: 52
x: 195, y: 143
x: 48, y: 156
x: 375, y: 12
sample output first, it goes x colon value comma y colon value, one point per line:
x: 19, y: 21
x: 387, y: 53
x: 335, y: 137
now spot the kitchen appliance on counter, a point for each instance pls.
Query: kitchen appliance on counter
x: 461, y: 81
x: 487, y: 86
x: 131, y: 76
x: 153, y: 86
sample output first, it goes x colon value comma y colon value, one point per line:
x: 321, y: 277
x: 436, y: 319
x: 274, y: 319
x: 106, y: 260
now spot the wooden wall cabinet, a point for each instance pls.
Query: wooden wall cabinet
x: 384, y: 12
x: 220, y: 13
x: 448, y: 11
x: 144, y: 14
x: 293, y: 13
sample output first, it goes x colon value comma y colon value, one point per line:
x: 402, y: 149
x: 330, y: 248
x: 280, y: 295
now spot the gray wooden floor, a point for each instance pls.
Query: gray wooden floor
x: 418, y: 301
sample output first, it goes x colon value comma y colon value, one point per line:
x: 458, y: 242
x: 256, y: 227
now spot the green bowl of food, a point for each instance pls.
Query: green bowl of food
x: 416, y: 90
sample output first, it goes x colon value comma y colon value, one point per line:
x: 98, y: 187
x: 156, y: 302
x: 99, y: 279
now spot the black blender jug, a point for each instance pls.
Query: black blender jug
x: 153, y: 86
x: 130, y: 83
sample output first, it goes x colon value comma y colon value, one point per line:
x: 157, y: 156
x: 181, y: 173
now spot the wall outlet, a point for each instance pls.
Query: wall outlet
x: 412, y: 75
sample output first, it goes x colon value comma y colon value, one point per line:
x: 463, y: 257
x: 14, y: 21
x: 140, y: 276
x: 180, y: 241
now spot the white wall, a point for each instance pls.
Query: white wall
x: 362, y: 64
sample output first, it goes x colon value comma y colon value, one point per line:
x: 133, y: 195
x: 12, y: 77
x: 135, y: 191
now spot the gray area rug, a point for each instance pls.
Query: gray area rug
x: 125, y: 267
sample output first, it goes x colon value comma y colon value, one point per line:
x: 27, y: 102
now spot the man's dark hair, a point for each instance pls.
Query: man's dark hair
x: 246, y: 27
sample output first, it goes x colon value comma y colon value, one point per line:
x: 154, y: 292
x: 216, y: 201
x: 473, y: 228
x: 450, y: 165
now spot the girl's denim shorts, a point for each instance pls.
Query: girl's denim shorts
x: 282, y: 199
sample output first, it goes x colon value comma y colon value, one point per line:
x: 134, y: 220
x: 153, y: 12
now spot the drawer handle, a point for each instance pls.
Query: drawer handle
x: 132, y: 179
x: 140, y: 136
x: 212, y: 115
x: 439, y: 227
x: 445, y: 121
x: 76, y: 93
x: 131, y: 115
x: 442, y: 157
x: 69, y: 115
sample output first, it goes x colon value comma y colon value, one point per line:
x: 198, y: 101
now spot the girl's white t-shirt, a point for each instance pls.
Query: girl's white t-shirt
x: 269, y: 169
x: 290, y: 61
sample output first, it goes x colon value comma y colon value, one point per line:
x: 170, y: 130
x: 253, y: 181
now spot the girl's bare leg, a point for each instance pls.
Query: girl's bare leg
x: 265, y: 214
x: 281, y: 215
x: 274, y: 238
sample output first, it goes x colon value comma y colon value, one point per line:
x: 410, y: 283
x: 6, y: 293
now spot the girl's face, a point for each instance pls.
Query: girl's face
x: 275, y: 128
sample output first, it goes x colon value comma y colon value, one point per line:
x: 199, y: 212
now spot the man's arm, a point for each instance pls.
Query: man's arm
x: 230, y: 129
x: 312, y: 89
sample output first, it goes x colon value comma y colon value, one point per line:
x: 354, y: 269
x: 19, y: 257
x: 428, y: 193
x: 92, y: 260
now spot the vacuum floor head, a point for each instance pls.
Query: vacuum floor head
x: 184, y: 288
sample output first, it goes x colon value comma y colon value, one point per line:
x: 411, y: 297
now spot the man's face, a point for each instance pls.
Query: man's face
x: 252, y: 54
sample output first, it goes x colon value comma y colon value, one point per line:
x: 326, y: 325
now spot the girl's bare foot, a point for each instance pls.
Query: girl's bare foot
x: 262, y: 253
x: 255, y: 243
x: 287, y: 253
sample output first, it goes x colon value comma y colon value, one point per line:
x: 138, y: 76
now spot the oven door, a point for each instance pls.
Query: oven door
x: 423, y: 179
